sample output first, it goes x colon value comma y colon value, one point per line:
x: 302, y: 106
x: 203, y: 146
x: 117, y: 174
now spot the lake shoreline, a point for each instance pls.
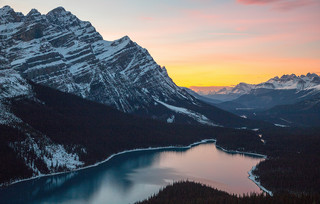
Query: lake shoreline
x: 253, y: 178
x: 204, y: 141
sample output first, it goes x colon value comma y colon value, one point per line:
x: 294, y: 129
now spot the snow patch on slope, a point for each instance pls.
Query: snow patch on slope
x: 6, y: 117
x: 314, y: 88
x: 192, y: 114
x: 170, y: 119
x: 12, y: 84
x: 58, y: 156
x: 280, y: 125
x: 54, y: 156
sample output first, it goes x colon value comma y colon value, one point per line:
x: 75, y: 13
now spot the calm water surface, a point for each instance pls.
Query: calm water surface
x: 137, y: 175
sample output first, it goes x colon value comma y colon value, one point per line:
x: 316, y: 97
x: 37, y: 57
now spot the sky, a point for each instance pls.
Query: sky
x: 208, y: 42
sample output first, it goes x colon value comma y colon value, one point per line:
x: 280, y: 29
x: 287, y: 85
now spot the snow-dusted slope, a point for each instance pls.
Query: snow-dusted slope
x: 63, y: 52
x: 11, y: 85
x: 196, y: 116
x: 31, y: 142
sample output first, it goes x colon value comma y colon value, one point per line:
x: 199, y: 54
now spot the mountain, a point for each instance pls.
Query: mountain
x: 66, y: 94
x: 303, y: 113
x: 201, y: 97
x: 285, y: 107
x: 286, y: 82
x: 286, y: 101
x: 262, y: 99
x: 62, y: 52
x: 207, y: 90
x: 43, y: 130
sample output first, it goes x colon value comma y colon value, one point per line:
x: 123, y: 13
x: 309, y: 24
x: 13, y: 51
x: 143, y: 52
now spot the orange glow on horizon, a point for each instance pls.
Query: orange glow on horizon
x: 208, y: 43
x: 232, y: 73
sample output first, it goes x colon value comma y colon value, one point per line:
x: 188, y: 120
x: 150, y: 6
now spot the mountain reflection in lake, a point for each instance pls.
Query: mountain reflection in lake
x: 135, y: 176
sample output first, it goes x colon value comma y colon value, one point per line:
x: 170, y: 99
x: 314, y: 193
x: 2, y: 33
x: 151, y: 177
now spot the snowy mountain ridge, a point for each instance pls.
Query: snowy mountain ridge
x: 60, y: 51
x: 286, y: 82
x: 293, y: 82
x: 47, y: 61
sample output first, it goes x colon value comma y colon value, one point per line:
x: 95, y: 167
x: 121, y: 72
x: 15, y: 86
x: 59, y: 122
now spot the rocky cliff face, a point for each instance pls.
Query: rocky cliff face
x: 63, y: 52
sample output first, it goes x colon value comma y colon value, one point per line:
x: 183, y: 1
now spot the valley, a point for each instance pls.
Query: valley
x: 73, y: 105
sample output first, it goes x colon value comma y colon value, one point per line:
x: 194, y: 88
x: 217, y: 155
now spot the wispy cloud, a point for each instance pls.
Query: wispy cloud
x: 146, y: 18
x: 229, y: 34
x: 257, y: 1
x: 201, y: 15
x: 289, y: 5
x: 280, y: 4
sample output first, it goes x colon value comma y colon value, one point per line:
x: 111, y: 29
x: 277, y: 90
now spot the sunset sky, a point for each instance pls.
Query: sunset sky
x: 208, y: 42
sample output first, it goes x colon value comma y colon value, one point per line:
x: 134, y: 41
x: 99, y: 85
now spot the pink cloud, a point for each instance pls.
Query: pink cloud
x: 229, y: 34
x: 146, y: 18
x: 201, y: 16
x: 280, y: 4
x: 256, y: 1
x: 289, y: 5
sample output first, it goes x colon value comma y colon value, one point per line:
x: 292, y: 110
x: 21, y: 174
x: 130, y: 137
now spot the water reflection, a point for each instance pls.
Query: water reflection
x: 135, y: 176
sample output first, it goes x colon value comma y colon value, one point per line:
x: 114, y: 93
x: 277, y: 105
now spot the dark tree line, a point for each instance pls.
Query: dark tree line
x: 293, y: 153
x: 102, y: 131
x: 193, y: 193
x: 294, y: 160
x: 11, y: 166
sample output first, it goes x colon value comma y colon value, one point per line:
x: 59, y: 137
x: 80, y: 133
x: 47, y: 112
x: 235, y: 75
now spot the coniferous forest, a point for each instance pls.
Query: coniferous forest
x: 192, y: 193
x: 68, y: 119
x: 292, y: 167
x: 71, y: 99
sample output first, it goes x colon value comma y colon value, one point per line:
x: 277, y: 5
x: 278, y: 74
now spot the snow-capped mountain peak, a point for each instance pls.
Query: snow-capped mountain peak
x: 34, y: 12
x: 242, y: 88
x: 293, y: 82
x: 7, y: 15
x: 287, y: 82
x: 284, y: 82
x: 63, y: 52
x: 60, y: 16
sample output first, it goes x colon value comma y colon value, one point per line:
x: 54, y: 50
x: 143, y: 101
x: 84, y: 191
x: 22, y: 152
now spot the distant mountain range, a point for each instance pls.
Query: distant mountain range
x: 288, y: 100
x: 60, y: 51
x: 286, y: 82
